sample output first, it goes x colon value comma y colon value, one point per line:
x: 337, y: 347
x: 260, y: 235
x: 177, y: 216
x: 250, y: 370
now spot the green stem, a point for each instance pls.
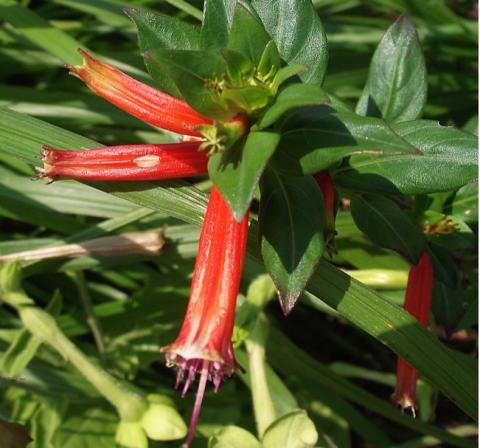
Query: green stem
x: 92, y: 320
x: 262, y: 400
x: 129, y: 404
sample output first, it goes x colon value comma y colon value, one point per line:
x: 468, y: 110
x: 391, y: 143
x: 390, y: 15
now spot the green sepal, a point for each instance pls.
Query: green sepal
x: 269, y: 62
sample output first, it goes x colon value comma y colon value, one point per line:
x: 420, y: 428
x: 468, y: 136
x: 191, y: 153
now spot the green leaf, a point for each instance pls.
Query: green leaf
x: 19, y: 354
x: 97, y: 428
x: 195, y: 74
x: 21, y: 137
x: 46, y: 422
x: 162, y: 422
x: 388, y: 226
x: 248, y: 98
x: 286, y: 73
x: 449, y: 161
x: 292, y: 430
x: 233, y: 437
x: 295, y: 27
x: 448, y: 305
x: 464, y: 204
x: 247, y: 34
x: 292, y: 96
x: 291, y: 232
x: 315, y: 137
x: 236, y: 171
x: 40, y: 32
x: 157, y: 31
x: 396, y: 88
x: 217, y: 19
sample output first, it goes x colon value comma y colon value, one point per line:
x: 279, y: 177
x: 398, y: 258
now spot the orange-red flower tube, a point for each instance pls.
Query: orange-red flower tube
x: 418, y: 300
x: 138, y: 99
x: 204, y: 344
x: 125, y: 163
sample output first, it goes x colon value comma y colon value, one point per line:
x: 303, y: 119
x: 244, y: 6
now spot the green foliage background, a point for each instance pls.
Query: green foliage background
x: 317, y: 361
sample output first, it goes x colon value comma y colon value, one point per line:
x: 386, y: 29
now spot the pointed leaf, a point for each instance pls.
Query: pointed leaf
x: 159, y: 31
x: 449, y: 160
x: 217, y: 19
x: 396, y: 88
x: 295, y: 27
x: 236, y: 172
x: 315, y: 137
x: 194, y: 74
x: 247, y: 34
x: 292, y: 96
x: 291, y: 232
x: 388, y: 226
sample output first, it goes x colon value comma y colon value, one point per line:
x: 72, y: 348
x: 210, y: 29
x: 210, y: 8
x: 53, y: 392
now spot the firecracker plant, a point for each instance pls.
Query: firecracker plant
x: 243, y: 97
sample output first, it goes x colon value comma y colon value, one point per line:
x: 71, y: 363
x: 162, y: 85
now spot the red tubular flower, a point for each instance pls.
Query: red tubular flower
x: 418, y: 300
x: 204, y: 344
x: 127, y: 163
x: 138, y: 99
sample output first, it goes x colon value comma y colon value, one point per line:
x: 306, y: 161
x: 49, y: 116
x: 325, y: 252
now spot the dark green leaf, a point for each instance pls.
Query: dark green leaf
x: 315, y: 137
x: 247, y: 35
x: 236, y: 171
x: 291, y: 232
x: 449, y: 161
x: 217, y: 19
x: 194, y: 74
x: 444, y: 267
x: 292, y: 96
x: 448, y: 305
x: 157, y: 31
x: 295, y: 27
x: 396, y: 88
x: 388, y: 226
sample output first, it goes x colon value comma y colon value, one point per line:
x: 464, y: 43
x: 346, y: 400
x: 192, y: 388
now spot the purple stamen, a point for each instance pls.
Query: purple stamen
x: 198, y: 402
